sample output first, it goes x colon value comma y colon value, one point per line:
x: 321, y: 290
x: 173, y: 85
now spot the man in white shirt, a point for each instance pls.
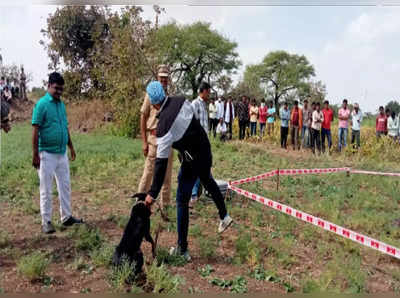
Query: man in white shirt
x: 220, y: 109
x: 229, y: 115
x: 356, y: 119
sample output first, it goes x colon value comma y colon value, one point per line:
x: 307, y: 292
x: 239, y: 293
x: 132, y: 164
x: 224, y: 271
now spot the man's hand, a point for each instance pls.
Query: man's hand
x: 73, y: 154
x: 36, y: 161
x: 145, y: 148
x: 149, y: 201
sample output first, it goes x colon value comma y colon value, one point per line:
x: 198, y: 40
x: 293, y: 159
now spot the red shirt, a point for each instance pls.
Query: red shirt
x: 381, y: 123
x: 262, y: 114
x: 328, y: 118
x: 295, y: 119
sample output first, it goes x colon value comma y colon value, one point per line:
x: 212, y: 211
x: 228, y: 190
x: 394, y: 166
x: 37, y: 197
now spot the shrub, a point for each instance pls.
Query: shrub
x: 103, y: 255
x: 86, y: 238
x: 4, y: 239
x: 121, y: 275
x: 163, y: 257
x: 33, y: 266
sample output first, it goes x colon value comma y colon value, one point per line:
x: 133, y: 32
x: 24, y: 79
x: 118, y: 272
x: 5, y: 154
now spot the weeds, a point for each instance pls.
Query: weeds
x: 161, y: 281
x: 206, y: 271
x: 208, y: 247
x: 163, y: 257
x: 236, y: 285
x: 4, y: 239
x: 121, y: 275
x: 102, y: 256
x: 86, y: 238
x: 33, y: 266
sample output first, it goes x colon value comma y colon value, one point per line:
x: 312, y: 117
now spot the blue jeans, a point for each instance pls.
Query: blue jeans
x: 253, y: 128
x: 326, y: 133
x: 342, y: 137
x: 195, y: 189
x: 188, y: 174
x: 262, y: 129
x: 306, y: 137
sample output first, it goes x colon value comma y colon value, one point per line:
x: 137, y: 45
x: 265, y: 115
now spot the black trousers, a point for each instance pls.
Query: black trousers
x: 229, y: 129
x: 213, y: 126
x: 315, y: 139
x: 242, y: 129
x: 187, y: 177
x: 284, y: 136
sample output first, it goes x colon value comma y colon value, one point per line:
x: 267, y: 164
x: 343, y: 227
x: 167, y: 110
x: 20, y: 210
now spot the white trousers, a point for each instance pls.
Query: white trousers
x: 54, y: 165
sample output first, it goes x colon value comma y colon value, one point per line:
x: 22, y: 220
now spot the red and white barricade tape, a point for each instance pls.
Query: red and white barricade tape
x: 323, y: 224
x: 289, y: 172
x: 374, y: 173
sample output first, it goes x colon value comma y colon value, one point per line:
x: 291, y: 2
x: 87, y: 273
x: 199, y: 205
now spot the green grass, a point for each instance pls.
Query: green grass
x: 108, y: 169
x: 33, y: 266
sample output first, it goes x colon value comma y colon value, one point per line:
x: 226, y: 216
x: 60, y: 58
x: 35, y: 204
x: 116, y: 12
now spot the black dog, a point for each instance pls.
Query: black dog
x: 137, y: 228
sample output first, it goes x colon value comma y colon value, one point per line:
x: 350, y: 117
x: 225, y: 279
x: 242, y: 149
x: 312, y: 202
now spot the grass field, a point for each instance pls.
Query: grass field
x: 264, y: 251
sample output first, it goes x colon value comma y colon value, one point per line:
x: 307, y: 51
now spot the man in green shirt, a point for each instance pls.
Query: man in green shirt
x: 50, y: 138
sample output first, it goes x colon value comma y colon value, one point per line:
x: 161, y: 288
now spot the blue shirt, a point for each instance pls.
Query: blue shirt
x: 51, y: 117
x: 272, y: 118
x: 285, y: 117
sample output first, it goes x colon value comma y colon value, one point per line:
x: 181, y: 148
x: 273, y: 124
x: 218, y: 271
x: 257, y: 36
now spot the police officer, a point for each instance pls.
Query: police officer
x: 178, y: 128
x: 148, y: 125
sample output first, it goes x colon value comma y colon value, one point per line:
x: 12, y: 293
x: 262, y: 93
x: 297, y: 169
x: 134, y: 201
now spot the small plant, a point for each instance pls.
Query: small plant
x: 237, y: 285
x: 33, y: 266
x: 101, y: 257
x: 163, y: 257
x: 195, y: 231
x: 86, y: 238
x: 206, y: 271
x: 122, y: 275
x: 161, y: 281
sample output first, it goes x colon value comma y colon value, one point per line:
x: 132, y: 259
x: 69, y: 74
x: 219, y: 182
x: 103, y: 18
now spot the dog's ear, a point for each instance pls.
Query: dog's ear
x: 140, y: 196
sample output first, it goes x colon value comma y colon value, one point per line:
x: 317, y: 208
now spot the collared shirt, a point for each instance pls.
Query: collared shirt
x: 212, y: 108
x: 200, y: 112
x: 356, y: 119
x: 307, y: 117
x: 228, y: 112
x: 51, y: 117
x: 220, y: 109
x: 317, y: 119
x: 328, y: 118
x: 253, y: 113
x: 393, y: 127
x: 344, y: 113
x: 242, y: 111
x: 150, y: 113
x: 285, y: 117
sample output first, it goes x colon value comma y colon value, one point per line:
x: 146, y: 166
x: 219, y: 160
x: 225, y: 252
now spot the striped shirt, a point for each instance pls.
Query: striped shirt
x: 200, y: 112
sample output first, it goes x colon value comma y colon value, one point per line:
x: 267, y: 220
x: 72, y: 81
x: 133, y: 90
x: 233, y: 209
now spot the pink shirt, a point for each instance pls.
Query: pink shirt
x: 344, y: 113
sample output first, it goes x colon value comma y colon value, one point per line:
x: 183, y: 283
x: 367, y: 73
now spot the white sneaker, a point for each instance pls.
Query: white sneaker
x: 225, y: 223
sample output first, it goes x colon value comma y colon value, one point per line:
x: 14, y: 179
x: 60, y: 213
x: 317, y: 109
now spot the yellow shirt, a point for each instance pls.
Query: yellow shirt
x: 253, y: 113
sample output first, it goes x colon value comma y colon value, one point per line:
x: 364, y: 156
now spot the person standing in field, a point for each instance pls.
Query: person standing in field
x: 270, y: 117
x: 381, y: 123
x: 220, y: 109
x: 343, y: 115
x: 388, y: 113
x: 305, y: 130
x: 326, y: 126
x: 356, y: 119
x: 285, y: 118
x: 296, y: 121
x: 200, y: 113
x: 317, y: 120
x: 148, y: 125
x: 229, y: 116
x: 213, y: 121
x: 253, y: 117
x: 393, y: 126
x: 50, y: 138
x: 262, y: 112
x: 243, y: 117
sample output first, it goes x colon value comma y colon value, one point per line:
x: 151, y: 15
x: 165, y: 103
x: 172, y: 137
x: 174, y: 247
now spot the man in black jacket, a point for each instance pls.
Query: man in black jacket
x: 178, y: 128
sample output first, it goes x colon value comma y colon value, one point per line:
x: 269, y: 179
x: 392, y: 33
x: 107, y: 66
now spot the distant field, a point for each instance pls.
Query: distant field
x: 264, y: 251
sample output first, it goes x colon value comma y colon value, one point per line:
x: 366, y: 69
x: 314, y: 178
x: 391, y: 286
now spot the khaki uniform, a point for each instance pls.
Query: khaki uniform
x: 150, y: 114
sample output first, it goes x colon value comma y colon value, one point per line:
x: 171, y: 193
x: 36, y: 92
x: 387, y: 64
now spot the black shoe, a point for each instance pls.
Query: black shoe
x: 71, y: 221
x: 48, y: 228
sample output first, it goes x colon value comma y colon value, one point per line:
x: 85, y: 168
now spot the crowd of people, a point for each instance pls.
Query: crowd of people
x: 308, y: 126
x: 13, y: 88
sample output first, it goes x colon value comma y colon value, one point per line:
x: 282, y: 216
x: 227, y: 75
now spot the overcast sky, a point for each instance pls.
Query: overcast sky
x: 355, y: 50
